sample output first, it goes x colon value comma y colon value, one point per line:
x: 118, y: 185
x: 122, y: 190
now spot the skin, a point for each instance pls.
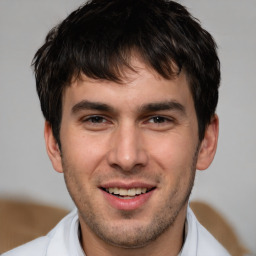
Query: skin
x: 143, y: 131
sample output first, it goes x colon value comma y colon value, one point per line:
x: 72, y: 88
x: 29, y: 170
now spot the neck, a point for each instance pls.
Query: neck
x: 168, y: 243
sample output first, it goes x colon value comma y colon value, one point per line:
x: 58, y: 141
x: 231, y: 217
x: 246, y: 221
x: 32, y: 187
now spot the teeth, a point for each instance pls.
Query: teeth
x: 126, y: 192
x: 123, y: 192
x: 116, y: 191
x: 131, y: 192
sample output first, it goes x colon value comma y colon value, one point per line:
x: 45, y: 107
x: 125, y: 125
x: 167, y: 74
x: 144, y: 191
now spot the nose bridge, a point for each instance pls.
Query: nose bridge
x: 127, y: 147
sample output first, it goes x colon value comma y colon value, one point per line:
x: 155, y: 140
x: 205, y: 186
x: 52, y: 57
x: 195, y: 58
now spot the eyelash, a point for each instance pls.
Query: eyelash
x: 160, y: 119
x: 96, y: 119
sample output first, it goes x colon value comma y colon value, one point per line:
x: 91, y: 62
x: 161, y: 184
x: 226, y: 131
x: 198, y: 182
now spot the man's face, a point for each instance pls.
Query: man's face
x: 129, y: 153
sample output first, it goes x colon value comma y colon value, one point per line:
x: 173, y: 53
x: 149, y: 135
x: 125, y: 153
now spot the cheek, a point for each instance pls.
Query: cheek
x: 82, y: 153
x: 173, y: 153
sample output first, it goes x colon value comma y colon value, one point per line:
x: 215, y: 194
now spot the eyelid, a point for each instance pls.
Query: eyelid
x: 89, y: 117
x: 168, y: 123
x: 166, y: 118
x: 90, y: 124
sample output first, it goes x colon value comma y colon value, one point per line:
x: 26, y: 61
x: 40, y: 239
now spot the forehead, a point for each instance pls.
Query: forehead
x: 142, y: 85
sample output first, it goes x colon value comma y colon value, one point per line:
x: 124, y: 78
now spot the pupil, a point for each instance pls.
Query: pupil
x: 96, y: 119
x: 158, y: 119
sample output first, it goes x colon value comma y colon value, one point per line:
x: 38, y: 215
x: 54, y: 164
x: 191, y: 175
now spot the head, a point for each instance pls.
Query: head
x: 129, y: 90
x: 100, y: 38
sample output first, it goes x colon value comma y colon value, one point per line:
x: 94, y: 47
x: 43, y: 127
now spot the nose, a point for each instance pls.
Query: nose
x: 127, y: 151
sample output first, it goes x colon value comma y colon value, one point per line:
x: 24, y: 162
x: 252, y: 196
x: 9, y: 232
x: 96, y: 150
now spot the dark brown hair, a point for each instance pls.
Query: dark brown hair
x: 99, y: 38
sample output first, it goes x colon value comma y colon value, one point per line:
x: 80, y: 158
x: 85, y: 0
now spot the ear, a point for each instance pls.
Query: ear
x: 52, y: 148
x: 209, y: 144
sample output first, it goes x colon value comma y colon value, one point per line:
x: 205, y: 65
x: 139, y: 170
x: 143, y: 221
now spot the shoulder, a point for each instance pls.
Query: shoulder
x: 200, y: 241
x: 207, y: 243
x: 36, y: 247
x: 43, y: 246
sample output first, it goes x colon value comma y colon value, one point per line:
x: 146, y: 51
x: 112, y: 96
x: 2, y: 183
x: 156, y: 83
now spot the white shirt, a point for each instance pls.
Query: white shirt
x: 63, y: 240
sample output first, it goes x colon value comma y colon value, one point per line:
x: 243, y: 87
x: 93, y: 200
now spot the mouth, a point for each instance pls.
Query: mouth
x: 130, y: 193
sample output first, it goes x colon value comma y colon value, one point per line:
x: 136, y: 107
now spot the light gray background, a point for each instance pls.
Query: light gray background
x: 229, y: 184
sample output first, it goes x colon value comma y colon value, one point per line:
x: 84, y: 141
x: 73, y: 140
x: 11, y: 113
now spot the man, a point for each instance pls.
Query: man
x: 129, y: 91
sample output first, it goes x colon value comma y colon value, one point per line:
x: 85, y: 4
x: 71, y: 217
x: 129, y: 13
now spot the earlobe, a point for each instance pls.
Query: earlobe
x: 209, y: 144
x: 52, y: 148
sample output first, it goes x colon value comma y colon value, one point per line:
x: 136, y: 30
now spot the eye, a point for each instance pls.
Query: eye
x: 159, y: 123
x: 96, y: 123
x: 158, y: 119
x: 95, y: 119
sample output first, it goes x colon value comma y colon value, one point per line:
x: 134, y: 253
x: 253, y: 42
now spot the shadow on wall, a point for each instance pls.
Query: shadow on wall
x: 21, y: 222
x: 219, y: 228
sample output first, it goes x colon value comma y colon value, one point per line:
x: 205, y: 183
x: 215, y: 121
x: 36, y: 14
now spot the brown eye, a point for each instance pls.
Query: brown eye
x: 96, y: 119
x: 158, y: 119
x: 159, y: 123
x: 96, y: 123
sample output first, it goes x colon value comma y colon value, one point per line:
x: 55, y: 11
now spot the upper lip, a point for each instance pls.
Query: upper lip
x: 127, y: 185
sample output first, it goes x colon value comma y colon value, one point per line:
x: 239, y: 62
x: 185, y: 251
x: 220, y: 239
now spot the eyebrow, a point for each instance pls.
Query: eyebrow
x: 166, y: 105
x: 151, y: 107
x: 85, y: 104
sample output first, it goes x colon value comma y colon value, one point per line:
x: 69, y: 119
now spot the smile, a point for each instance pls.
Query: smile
x: 126, y: 192
x: 127, y: 198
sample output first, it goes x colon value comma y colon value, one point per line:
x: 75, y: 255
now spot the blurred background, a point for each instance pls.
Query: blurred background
x: 229, y: 185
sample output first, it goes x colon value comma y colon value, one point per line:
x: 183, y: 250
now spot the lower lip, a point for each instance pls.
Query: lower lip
x: 127, y: 204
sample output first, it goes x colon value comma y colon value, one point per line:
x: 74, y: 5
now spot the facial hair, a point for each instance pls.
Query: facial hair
x: 130, y: 236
